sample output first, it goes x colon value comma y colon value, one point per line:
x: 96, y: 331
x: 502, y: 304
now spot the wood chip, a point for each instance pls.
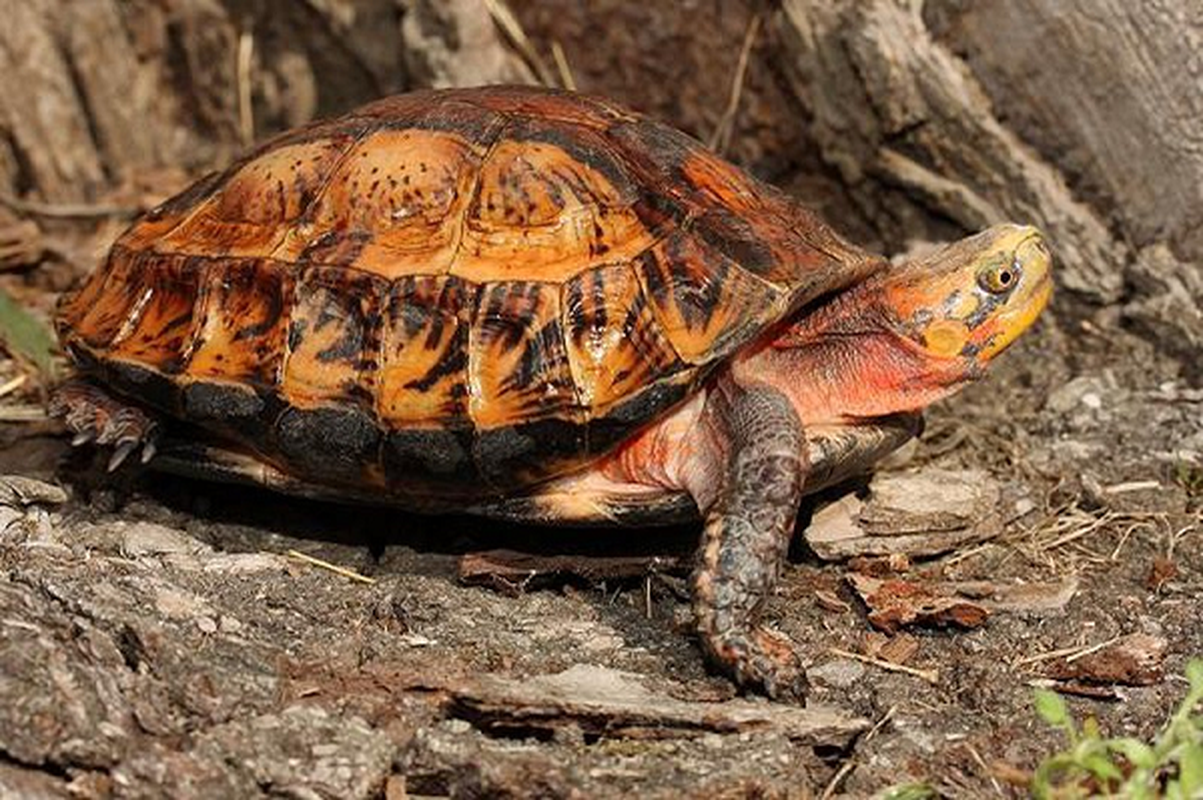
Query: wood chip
x: 897, y: 649
x: 604, y: 701
x: 18, y: 491
x: 511, y: 571
x: 22, y: 413
x: 895, y: 603
x: 1033, y: 597
x: 13, y: 385
x: 1133, y: 660
x: 830, y: 601
x: 1162, y: 571
x: 1093, y: 692
x: 917, y: 513
x: 927, y: 501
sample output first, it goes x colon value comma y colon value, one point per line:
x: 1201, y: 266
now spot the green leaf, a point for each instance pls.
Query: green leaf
x: 1194, y: 674
x: 1102, y: 766
x: 1139, y: 754
x: 1052, y: 709
x: 25, y: 337
x: 1090, y: 728
x: 1190, y: 770
x: 1059, y: 777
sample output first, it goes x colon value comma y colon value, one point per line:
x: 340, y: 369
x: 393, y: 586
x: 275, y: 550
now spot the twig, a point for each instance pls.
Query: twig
x: 829, y: 790
x: 1123, y: 540
x: 1131, y: 486
x: 557, y: 53
x: 504, y: 18
x: 1174, y: 537
x: 22, y: 414
x: 930, y: 675
x: 981, y: 762
x: 849, y: 760
x: 66, y: 210
x: 881, y: 723
x: 13, y: 385
x: 1069, y: 653
x: 1086, y: 529
x: 317, y: 562
x: 726, y: 124
x: 970, y: 552
x: 246, y: 110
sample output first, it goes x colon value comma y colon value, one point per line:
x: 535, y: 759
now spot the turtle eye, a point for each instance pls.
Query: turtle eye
x: 1000, y: 279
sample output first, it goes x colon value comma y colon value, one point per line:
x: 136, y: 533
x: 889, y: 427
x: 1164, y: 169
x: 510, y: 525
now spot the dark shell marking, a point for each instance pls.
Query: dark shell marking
x: 461, y: 292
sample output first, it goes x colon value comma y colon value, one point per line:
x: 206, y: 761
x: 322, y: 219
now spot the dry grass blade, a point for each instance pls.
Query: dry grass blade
x: 246, y: 111
x: 566, y: 79
x: 326, y: 565
x: 839, y: 776
x: 1079, y: 530
x: 66, y: 210
x: 22, y: 414
x: 881, y: 723
x: 850, y: 762
x: 13, y: 385
x: 1068, y: 653
x: 1059, y: 539
x: 721, y: 138
x: 930, y: 675
x: 25, y: 337
x: 503, y: 18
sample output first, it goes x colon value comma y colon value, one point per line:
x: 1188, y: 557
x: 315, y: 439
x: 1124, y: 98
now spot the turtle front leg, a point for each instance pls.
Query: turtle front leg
x: 94, y: 415
x: 748, y: 525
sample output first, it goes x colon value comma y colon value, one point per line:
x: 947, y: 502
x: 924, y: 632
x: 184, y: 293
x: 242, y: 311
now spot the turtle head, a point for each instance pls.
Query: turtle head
x: 911, y: 334
x: 970, y: 300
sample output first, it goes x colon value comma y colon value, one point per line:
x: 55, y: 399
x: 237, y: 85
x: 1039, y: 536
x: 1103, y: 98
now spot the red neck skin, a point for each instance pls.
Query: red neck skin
x: 843, y: 362
x: 847, y: 360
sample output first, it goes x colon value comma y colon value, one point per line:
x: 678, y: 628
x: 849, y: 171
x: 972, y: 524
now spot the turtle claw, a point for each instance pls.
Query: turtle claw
x: 121, y: 453
x: 94, y: 416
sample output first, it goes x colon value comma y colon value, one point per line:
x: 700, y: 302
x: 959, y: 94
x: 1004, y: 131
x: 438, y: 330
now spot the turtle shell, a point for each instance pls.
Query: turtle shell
x: 459, y: 292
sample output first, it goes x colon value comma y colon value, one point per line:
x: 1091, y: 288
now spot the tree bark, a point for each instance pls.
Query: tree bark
x: 93, y: 92
x: 917, y: 141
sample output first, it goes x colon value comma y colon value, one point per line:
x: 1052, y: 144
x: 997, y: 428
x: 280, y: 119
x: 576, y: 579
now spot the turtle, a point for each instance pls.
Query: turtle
x: 539, y: 306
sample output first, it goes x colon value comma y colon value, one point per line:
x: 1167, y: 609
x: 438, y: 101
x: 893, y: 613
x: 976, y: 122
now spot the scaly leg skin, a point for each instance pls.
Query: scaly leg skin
x: 94, y: 415
x: 748, y: 526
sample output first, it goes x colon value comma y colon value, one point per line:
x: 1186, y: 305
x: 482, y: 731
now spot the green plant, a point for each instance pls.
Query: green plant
x: 1092, y: 766
x: 1190, y: 477
x: 26, y: 337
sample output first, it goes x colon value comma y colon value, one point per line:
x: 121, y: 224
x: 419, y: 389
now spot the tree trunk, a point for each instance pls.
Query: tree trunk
x: 93, y: 92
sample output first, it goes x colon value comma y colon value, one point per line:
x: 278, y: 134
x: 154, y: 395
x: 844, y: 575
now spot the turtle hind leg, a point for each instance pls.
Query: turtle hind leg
x: 94, y: 415
x: 748, y: 527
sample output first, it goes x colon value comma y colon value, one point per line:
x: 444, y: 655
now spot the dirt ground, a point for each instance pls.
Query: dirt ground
x: 159, y: 638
